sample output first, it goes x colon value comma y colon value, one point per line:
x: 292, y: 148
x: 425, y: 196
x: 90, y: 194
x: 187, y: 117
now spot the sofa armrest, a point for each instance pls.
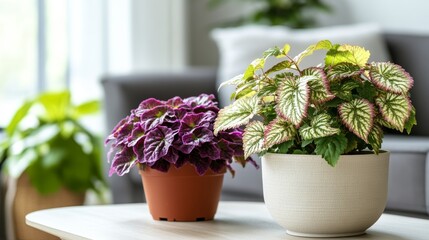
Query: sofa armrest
x: 123, y: 93
x: 408, y: 174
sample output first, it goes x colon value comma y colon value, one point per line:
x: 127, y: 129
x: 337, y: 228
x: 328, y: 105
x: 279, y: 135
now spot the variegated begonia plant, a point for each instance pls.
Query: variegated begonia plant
x: 338, y: 108
x: 159, y: 134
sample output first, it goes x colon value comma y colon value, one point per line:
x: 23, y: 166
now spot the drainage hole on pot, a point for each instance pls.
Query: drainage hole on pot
x: 200, y: 219
x: 163, y: 219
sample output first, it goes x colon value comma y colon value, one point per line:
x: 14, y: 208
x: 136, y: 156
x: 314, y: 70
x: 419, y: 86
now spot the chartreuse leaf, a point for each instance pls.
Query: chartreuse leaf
x: 411, y: 120
x: 256, y: 64
x: 279, y: 66
x: 320, y: 127
x: 293, y: 97
x: 347, y: 54
x: 331, y: 147
x: 17, y: 118
x: 358, y: 116
x: 343, y: 70
x: 324, y: 44
x: 359, y: 55
x: 390, y: 77
x: 278, y: 131
x: 56, y: 105
x: 375, y: 138
x: 253, y: 138
x: 395, y: 109
x: 236, y: 114
x: 319, y: 86
x: 86, y: 108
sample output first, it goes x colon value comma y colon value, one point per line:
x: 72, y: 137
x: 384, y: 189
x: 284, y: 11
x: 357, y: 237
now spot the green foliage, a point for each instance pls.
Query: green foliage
x: 45, y: 140
x: 331, y: 148
x: 335, y: 109
x: 290, y: 13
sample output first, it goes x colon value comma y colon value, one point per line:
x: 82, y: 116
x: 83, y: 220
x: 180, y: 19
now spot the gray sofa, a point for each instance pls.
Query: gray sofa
x: 409, y: 167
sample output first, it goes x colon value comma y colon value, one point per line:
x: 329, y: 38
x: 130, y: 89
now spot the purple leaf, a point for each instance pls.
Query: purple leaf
x: 186, y: 149
x: 150, y: 103
x: 136, y: 135
x: 191, y: 120
x: 161, y: 165
x: 226, y: 152
x: 197, y: 137
x: 123, y: 162
x: 175, y: 102
x: 121, y: 131
x: 203, y: 100
x: 157, y: 143
x: 218, y: 165
x: 209, y: 150
x: 138, y: 149
x: 155, y: 117
x: 200, y: 164
x: 171, y: 156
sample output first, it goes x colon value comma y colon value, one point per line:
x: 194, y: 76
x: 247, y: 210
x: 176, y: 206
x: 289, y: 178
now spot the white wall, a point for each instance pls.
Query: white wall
x: 410, y: 16
x: 159, y: 34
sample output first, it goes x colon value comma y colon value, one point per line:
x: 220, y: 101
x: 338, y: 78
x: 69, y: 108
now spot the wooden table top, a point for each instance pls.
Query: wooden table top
x: 234, y: 220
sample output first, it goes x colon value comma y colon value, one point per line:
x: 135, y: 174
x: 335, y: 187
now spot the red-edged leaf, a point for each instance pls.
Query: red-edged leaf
x: 278, y: 131
x: 319, y: 85
x: 358, y: 116
x: 390, y: 77
x: 293, y: 97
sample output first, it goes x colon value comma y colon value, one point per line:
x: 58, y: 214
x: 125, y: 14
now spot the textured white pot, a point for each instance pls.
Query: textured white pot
x: 312, y: 199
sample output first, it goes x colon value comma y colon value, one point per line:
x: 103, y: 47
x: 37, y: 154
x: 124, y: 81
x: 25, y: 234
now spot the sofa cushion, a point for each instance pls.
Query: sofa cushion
x: 239, y: 46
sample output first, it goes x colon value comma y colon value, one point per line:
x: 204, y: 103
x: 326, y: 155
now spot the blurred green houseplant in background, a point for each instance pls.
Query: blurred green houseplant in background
x: 45, y: 140
x: 291, y: 13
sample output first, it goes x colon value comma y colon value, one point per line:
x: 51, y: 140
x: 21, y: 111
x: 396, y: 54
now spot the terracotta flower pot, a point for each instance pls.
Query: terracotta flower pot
x: 181, y: 194
x: 27, y: 199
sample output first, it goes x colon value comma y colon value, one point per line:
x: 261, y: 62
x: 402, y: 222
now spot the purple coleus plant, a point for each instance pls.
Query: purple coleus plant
x: 158, y: 134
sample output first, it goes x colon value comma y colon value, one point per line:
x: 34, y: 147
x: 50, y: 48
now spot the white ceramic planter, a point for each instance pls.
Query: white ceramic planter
x: 312, y: 199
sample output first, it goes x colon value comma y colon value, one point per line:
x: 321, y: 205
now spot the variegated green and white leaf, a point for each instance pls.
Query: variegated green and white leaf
x: 375, y: 138
x: 293, y: 97
x: 233, y: 81
x: 278, y: 131
x: 390, y: 77
x: 319, y: 86
x: 238, y: 113
x: 347, y: 53
x: 253, y: 138
x: 358, y: 116
x: 245, y: 89
x: 320, y: 127
x: 395, y: 109
x: 324, y: 44
x: 343, y: 70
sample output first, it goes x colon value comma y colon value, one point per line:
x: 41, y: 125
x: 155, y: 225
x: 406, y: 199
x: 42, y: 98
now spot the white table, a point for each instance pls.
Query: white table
x: 234, y: 220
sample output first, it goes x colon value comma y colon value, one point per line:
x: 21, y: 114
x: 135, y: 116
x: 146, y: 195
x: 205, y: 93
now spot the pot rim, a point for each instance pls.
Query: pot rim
x: 365, y: 153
